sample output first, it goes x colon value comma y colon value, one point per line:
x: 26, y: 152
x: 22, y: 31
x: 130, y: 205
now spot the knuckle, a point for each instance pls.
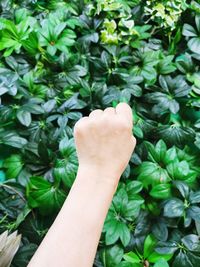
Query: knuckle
x: 106, y: 120
x: 93, y: 123
x: 125, y: 126
x: 134, y: 140
x: 95, y: 112
x: 109, y: 109
x: 80, y: 124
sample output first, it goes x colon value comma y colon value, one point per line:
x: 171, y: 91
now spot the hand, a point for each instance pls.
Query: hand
x: 104, y: 141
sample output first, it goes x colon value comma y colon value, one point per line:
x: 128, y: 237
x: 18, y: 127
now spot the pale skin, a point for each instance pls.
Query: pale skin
x: 104, y: 144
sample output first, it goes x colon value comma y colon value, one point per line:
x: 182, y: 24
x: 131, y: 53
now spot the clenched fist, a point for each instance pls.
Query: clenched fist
x: 104, y: 141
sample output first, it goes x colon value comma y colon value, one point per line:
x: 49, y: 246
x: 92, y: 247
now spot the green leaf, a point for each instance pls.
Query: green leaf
x: 2, y: 176
x: 194, y: 197
x: 31, y: 44
x: 59, y: 28
x: 66, y: 169
x: 13, y: 164
x: 160, y: 231
x: 191, y: 242
x: 20, y: 15
x: 170, y: 155
x: 194, y: 212
x: 149, y: 245
x: 166, y: 247
x: 138, y: 132
x: 132, y: 257
x: 194, y: 258
x: 44, y: 195
x: 161, y: 263
x: 152, y: 174
x: 161, y: 191
x: 7, y: 43
x: 128, y: 264
x: 161, y: 149
x: 183, y: 188
x: 154, y: 257
x: 184, y: 63
x: 189, y: 31
x: 132, y: 208
x: 174, y: 208
x: 124, y: 234
x: 24, y: 117
x: 152, y: 153
x: 182, y: 260
x: 174, y: 134
x: 179, y: 170
x: 120, y: 200
x: 67, y: 147
x: 165, y: 66
x: 12, y: 139
x: 33, y: 108
x: 3, y: 90
x: 133, y: 187
x: 197, y: 20
x: 24, y: 254
x: 111, y: 256
x: 194, y: 45
x: 51, y: 49
x: 112, y: 233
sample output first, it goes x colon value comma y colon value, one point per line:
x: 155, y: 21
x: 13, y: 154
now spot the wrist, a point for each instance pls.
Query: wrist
x: 99, y: 176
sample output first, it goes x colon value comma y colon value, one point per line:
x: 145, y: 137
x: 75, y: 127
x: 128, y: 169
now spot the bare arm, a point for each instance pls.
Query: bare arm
x: 104, y: 144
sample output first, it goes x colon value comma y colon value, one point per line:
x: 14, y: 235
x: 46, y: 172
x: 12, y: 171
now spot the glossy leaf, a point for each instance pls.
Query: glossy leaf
x: 44, y: 195
x: 174, y: 208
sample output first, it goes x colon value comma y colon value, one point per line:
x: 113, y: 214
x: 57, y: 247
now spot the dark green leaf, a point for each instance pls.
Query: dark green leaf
x: 188, y: 30
x: 174, y: 208
x: 24, y: 117
x: 191, y: 242
x: 194, y: 45
x: 194, y: 197
x: 182, y: 260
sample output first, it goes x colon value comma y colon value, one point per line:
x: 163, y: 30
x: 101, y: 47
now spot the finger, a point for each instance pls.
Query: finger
x: 96, y: 113
x: 110, y: 111
x: 125, y: 111
x: 134, y: 140
x: 78, y: 125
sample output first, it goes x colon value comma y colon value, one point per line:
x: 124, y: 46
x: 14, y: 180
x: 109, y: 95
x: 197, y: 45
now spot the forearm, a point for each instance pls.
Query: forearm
x: 73, y: 238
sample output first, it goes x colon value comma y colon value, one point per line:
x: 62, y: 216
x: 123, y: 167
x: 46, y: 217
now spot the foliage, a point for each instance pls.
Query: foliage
x: 59, y: 60
x: 165, y: 13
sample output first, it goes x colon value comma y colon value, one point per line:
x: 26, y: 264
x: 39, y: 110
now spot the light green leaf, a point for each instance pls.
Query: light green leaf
x: 161, y: 191
x: 13, y: 164
x: 44, y: 195
x: 132, y: 257
x: 161, y: 263
x: 149, y: 245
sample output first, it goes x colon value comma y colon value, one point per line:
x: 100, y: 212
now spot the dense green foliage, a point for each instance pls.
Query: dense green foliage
x: 59, y: 60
